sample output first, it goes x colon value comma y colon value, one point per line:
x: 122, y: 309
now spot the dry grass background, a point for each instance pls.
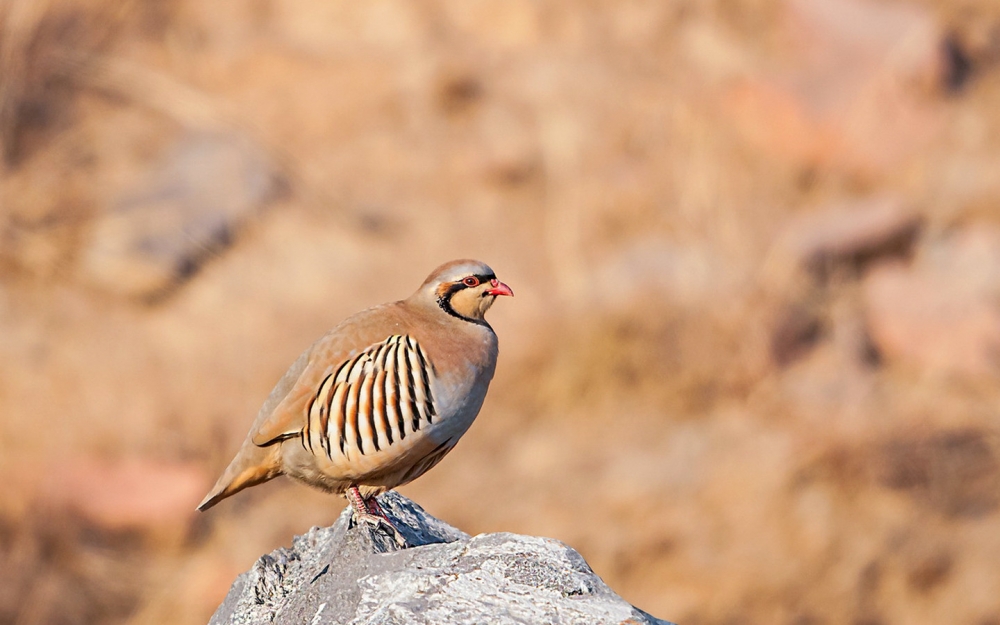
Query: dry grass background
x: 751, y: 369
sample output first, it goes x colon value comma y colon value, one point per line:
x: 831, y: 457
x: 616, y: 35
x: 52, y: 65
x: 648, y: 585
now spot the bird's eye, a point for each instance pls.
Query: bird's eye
x: 471, y: 281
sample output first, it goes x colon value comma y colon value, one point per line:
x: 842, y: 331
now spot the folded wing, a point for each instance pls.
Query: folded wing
x: 364, y: 405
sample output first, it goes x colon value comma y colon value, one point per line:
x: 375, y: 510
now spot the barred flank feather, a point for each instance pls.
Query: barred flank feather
x: 372, y: 401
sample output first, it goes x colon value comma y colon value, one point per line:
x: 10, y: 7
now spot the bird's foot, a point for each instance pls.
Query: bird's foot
x: 377, y: 522
x: 369, y: 511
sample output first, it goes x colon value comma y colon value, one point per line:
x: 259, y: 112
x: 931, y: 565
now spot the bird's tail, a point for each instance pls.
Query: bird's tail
x: 251, y: 466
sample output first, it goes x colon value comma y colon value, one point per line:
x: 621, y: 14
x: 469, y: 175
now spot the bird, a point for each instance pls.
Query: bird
x: 381, y: 398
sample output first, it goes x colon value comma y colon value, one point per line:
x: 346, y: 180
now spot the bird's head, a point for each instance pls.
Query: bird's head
x: 463, y: 288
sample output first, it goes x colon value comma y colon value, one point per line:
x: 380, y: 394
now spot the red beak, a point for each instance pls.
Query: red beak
x: 499, y: 288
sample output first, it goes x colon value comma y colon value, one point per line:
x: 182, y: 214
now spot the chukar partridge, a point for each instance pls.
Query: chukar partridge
x: 381, y: 398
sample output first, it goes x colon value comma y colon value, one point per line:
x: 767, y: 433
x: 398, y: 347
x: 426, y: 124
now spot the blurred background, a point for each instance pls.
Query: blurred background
x: 751, y: 371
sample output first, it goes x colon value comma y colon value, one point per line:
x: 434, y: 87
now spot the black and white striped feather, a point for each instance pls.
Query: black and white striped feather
x: 371, y: 401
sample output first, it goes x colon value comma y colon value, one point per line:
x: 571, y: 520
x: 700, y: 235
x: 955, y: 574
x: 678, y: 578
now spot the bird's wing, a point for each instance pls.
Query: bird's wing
x: 359, y: 405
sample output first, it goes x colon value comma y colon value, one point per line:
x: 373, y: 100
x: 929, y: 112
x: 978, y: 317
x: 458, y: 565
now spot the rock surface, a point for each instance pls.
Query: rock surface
x: 190, y: 205
x: 352, y: 574
x: 845, y: 234
x: 846, y: 95
x: 941, y: 312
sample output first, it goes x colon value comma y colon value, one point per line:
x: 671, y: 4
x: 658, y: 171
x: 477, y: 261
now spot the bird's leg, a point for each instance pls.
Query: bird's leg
x: 360, y: 506
x: 369, y: 511
x: 376, y: 509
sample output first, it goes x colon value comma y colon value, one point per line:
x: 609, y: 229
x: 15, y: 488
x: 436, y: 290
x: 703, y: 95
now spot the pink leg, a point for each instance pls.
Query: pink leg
x: 369, y: 511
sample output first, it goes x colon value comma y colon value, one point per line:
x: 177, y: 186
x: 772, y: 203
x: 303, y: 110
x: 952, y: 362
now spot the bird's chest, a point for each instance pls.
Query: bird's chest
x: 461, y: 376
x: 458, y: 398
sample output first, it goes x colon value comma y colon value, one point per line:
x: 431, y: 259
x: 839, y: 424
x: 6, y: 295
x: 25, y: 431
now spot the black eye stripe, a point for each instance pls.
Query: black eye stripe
x: 482, y: 277
x: 444, y: 299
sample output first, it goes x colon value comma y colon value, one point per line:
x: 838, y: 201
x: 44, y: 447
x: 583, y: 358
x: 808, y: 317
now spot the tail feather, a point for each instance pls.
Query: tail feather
x: 251, y: 466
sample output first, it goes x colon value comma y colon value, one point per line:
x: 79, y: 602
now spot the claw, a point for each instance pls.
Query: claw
x: 369, y: 511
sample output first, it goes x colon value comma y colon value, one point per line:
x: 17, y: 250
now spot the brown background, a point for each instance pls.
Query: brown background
x: 751, y: 369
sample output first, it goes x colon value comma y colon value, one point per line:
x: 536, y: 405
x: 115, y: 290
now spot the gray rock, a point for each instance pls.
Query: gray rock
x: 851, y: 235
x: 185, y: 209
x: 940, y: 313
x: 354, y: 574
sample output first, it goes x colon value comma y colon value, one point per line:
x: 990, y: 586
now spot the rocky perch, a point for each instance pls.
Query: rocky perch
x: 354, y: 574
